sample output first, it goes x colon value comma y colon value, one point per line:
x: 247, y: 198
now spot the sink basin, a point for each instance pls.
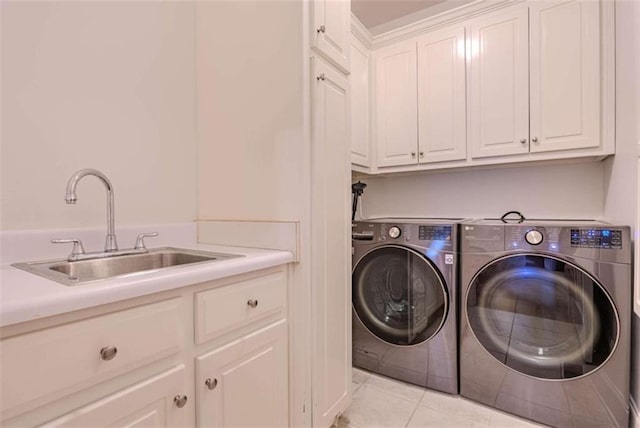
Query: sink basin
x: 86, y: 271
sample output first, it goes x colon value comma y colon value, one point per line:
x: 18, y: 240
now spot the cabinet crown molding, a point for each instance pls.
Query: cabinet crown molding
x: 360, y: 32
x: 452, y: 16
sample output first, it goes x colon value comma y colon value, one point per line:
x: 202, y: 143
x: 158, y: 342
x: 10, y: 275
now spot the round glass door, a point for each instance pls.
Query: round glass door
x: 398, y: 295
x: 542, y: 316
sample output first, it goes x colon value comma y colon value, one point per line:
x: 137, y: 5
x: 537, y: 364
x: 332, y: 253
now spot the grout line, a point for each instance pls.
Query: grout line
x: 413, y: 413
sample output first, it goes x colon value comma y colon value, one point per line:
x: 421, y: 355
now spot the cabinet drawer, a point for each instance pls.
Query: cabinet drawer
x: 146, y: 404
x: 230, y: 307
x: 42, y: 366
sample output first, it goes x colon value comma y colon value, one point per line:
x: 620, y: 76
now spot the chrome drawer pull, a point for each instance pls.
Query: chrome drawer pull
x: 108, y: 353
x: 211, y: 383
x: 180, y: 400
x: 252, y: 303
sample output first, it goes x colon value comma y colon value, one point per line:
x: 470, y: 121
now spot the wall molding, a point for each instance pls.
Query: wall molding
x: 360, y: 32
x: 458, y: 14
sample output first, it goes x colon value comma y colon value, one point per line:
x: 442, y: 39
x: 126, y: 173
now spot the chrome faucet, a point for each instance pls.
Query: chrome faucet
x: 111, y: 244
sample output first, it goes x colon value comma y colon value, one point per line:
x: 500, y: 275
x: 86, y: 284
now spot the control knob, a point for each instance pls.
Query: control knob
x: 533, y: 237
x: 395, y: 232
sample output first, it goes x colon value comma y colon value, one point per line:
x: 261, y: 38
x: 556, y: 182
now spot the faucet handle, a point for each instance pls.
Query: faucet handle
x: 140, y: 241
x: 77, y: 250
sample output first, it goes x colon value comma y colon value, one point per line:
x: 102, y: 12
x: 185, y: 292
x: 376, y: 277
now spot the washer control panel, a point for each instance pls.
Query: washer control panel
x: 596, y: 238
x: 534, y: 237
x: 434, y: 233
x: 395, y: 232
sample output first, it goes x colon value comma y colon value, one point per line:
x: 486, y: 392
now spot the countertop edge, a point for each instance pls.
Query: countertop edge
x: 26, y: 297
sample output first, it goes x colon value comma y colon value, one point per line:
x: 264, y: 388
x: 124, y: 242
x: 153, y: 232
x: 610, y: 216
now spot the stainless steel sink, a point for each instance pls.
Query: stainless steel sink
x: 93, y: 270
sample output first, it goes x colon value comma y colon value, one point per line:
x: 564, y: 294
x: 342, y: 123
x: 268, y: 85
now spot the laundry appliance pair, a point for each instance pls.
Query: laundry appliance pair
x: 529, y: 317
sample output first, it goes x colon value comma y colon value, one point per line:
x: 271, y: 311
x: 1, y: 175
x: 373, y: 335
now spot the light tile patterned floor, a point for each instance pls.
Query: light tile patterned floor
x: 386, y: 403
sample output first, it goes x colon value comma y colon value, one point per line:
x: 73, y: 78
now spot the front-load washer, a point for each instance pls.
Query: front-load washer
x: 545, y: 320
x: 404, y: 300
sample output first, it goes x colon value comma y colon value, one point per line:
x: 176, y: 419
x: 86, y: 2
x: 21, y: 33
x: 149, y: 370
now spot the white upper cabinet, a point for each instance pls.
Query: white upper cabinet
x: 535, y: 79
x: 360, y: 104
x: 565, y: 75
x: 499, y: 84
x: 396, y: 116
x: 492, y: 84
x: 441, y: 96
x: 331, y: 30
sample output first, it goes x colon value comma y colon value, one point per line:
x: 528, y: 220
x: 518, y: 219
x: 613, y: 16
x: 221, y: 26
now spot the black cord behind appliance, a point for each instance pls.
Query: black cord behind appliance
x: 357, y: 189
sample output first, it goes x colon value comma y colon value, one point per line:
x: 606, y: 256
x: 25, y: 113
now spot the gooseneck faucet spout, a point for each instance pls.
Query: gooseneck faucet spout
x: 111, y: 243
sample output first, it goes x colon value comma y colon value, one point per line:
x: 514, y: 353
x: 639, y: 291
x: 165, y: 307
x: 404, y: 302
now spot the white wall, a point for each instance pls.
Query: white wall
x: 537, y: 191
x: 250, y: 110
x: 105, y: 85
x: 621, y: 171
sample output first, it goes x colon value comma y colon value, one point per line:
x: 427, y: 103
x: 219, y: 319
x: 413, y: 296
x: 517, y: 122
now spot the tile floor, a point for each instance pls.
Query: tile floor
x: 386, y: 403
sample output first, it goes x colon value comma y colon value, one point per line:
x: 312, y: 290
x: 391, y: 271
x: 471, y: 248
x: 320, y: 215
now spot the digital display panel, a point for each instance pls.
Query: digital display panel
x: 596, y: 238
x: 434, y: 233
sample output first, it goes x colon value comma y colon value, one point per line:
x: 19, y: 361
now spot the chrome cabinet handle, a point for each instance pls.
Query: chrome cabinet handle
x: 140, y: 240
x: 108, y: 353
x: 321, y: 77
x: 252, y: 303
x: 523, y: 141
x: 534, y: 139
x: 322, y: 29
x: 78, y: 248
x: 180, y: 400
x: 211, y: 383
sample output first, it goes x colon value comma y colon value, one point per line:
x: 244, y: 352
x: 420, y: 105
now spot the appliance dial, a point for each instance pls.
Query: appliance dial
x: 395, y: 232
x: 533, y: 237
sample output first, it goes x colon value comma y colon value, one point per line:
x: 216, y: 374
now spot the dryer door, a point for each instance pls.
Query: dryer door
x: 542, y: 316
x: 399, y: 295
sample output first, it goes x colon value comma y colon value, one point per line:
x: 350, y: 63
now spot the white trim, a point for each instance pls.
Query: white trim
x: 360, y: 32
x: 458, y: 14
x: 608, y: 76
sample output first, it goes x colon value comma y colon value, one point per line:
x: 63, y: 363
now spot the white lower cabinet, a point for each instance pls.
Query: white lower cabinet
x: 244, y: 383
x: 156, y: 402
x: 157, y: 363
x: 331, y: 241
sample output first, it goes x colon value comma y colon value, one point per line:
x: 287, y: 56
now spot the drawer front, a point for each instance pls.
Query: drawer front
x: 233, y: 306
x: 146, y: 404
x: 42, y: 366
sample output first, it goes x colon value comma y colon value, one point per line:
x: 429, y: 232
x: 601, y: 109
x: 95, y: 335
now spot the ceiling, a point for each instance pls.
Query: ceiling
x: 373, y: 13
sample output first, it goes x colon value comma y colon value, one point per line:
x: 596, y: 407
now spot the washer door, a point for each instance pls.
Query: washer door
x: 399, y: 295
x: 542, y: 316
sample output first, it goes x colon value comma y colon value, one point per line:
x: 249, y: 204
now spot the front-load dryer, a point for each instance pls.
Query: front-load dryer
x: 545, y: 320
x: 404, y: 300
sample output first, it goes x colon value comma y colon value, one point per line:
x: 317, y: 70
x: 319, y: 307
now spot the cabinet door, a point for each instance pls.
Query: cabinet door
x: 396, y: 99
x: 360, y: 104
x: 331, y: 30
x: 499, y: 84
x: 146, y: 404
x: 441, y: 96
x: 244, y: 384
x: 565, y: 75
x: 331, y: 245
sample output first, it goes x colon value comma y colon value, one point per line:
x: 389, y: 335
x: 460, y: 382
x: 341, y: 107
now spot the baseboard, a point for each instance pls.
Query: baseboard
x: 273, y: 235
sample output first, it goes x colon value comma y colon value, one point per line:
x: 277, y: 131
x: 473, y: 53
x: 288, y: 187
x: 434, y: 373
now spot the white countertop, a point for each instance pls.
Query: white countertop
x: 25, y: 296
